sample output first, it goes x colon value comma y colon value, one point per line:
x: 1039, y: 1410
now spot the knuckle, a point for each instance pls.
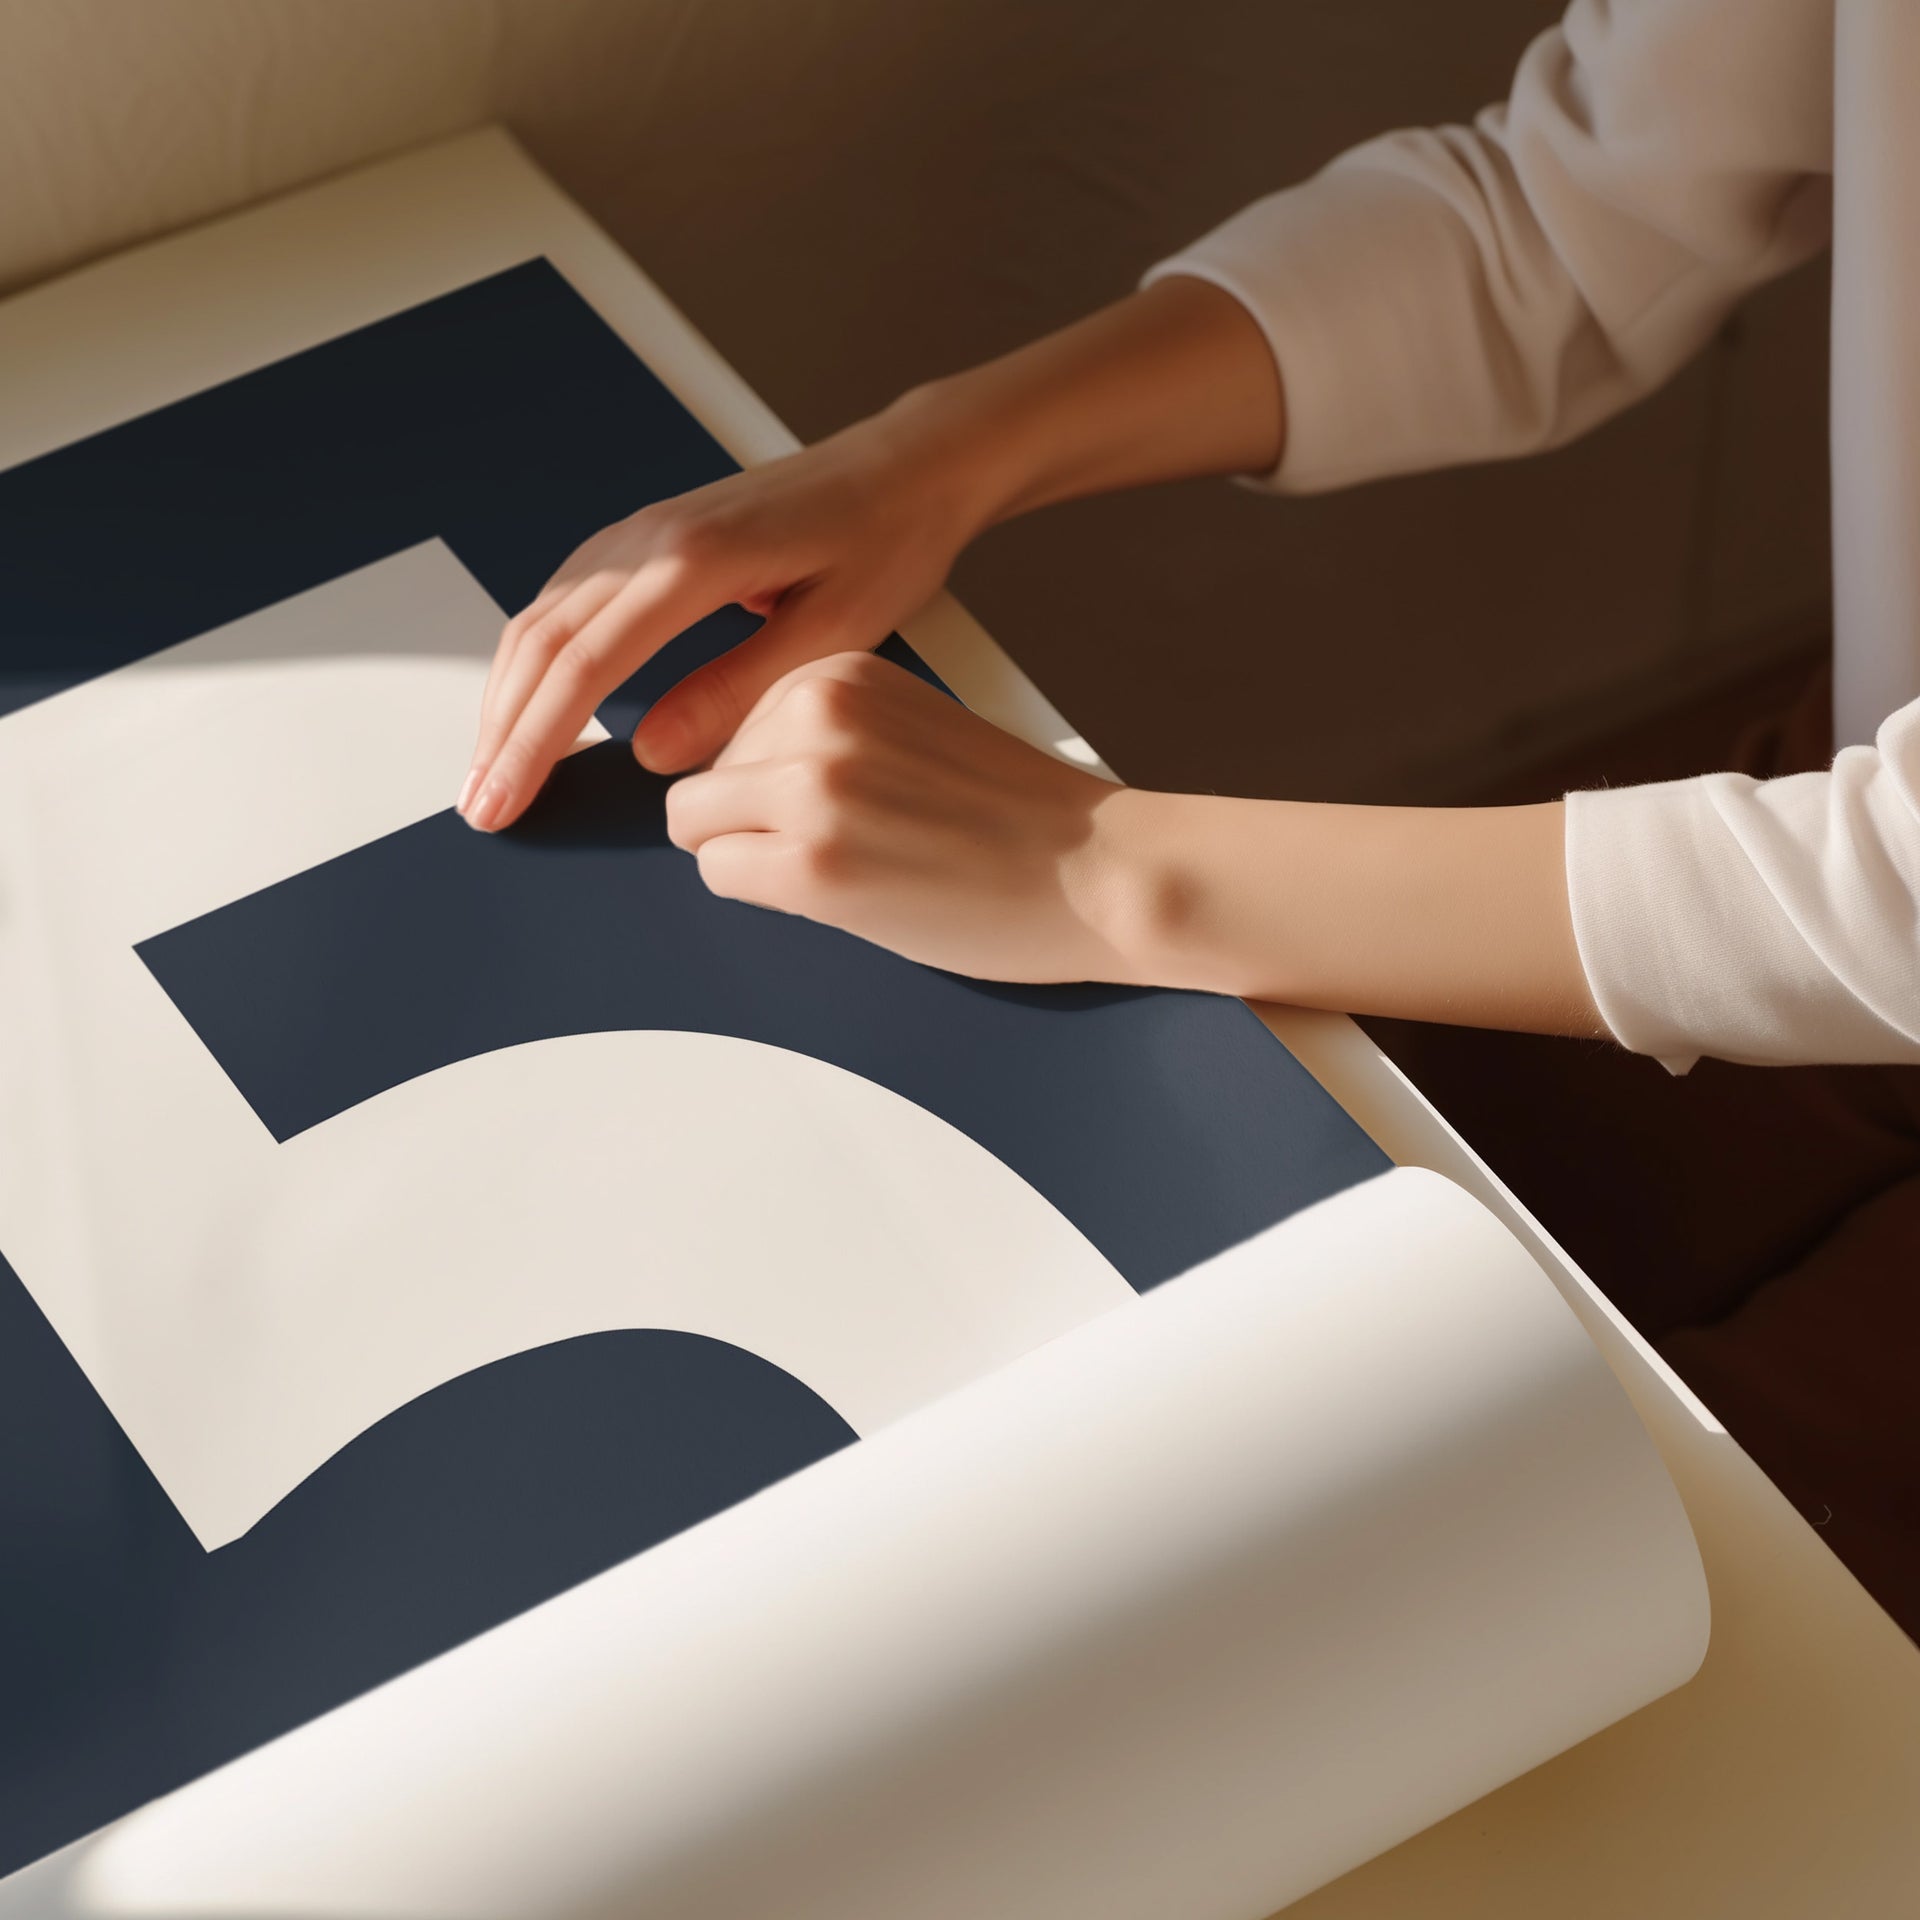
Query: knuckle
x: 575, y: 666
x: 515, y: 632
x: 824, y: 702
x: 806, y: 698
x: 822, y: 861
x: 830, y: 778
x: 639, y: 526
x: 545, y: 637
x: 688, y: 539
x: 857, y: 667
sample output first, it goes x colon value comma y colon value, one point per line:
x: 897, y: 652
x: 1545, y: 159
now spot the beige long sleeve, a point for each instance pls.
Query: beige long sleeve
x: 1467, y: 293
x: 1473, y: 293
x: 1770, y: 921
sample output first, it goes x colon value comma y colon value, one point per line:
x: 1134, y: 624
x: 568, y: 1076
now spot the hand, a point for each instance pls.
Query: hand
x: 834, y: 545
x: 839, y: 544
x: 857, y: 795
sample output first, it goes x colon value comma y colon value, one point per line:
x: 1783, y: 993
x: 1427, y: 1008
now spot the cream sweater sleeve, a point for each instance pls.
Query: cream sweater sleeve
x: 1771, y: 921
x: 1467, y: 293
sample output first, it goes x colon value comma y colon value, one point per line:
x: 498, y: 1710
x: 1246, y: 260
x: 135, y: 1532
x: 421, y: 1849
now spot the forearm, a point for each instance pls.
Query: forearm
x: 1456, y: 915
x: 1170, y: 383
x: 1447, y: 914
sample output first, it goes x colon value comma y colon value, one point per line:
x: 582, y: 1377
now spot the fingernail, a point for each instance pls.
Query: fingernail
x: 488, y: 805
x: 466, y: 788
x: 658, y: 744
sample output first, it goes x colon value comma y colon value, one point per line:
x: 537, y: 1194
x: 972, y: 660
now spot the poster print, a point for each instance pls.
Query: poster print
x: 406, y: 1225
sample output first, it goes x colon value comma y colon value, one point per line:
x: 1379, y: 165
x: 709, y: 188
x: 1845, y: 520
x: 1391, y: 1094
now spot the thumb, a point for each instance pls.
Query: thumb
x: 690, y: 724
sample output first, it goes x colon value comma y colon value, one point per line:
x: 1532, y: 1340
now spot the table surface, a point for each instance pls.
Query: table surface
x: 1785, y: 1779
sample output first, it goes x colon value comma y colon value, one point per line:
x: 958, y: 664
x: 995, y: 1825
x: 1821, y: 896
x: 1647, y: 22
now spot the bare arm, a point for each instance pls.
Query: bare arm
x: 1455, y: 914
x: 1170, y: 383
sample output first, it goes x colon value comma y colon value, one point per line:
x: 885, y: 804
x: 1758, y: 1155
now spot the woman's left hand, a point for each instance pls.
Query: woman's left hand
x: 857, y: 795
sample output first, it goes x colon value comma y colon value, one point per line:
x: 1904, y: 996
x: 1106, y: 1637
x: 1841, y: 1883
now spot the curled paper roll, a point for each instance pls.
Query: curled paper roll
x: 1184, y: 1613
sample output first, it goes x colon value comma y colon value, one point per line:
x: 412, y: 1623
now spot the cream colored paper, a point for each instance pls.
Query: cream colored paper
x: 1208, y: 1596
x: 1183, y: 1613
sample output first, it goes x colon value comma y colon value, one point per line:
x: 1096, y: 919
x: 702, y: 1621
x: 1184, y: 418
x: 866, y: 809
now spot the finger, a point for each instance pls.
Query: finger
x: 553, y: 594
x: 543, y: 603
x: 532, y: 651
x: 573, y: 677
x: 760, y: 868
x: 807, y: 706
x: 696, y: 719
x: 704, y: 806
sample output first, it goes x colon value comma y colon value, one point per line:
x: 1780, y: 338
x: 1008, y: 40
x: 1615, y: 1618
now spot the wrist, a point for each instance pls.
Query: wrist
x: 963, y: 441
x: 1149, y: 899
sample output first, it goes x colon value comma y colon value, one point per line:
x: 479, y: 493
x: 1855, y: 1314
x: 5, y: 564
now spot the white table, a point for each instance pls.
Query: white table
x: 1784, y: 1780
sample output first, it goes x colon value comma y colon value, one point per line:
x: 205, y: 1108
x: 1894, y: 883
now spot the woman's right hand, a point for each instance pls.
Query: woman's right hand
x: 834, y: 545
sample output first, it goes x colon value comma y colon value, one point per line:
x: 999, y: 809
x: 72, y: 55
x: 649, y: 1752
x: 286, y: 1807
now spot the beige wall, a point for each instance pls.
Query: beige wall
x: 849, y: 195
